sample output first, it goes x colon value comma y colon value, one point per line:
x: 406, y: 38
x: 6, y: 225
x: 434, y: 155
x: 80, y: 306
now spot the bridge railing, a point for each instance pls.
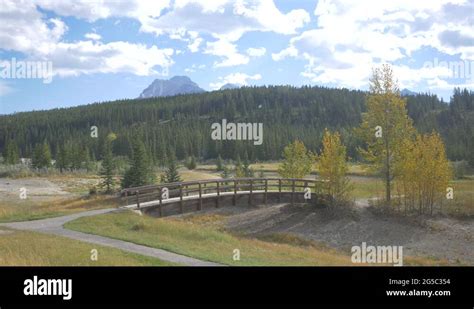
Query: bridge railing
x: 216, y: 187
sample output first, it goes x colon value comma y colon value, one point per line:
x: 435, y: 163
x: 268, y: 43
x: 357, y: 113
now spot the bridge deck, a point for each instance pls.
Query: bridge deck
x: 150, y: 198
x: 192, y: 197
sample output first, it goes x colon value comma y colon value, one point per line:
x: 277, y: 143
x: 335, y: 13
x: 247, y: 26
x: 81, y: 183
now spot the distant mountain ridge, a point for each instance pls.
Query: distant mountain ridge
x: 229, y: 86
x: 170, y: 87
x: 406, y: 92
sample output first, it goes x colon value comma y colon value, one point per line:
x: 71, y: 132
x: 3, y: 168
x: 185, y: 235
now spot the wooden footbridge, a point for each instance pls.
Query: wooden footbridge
x: 181, y: 197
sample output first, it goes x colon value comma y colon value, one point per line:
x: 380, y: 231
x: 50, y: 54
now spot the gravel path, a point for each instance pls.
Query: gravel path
x: 55, y: 226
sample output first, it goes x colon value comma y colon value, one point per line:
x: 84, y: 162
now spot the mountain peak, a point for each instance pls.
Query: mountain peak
x: 229, y: 86
x: 180, y: 78
x: 406, y: 92
x: 170, y: 87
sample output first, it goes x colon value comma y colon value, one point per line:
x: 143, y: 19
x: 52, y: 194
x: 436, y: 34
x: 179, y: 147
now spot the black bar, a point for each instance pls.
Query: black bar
x: 239, y: 285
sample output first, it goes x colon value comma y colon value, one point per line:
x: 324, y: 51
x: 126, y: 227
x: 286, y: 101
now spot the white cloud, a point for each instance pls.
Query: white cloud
x: 94, y: 10
x: 194, y: 68
x: 226, y: 19
x: 26, y: 30
x: 5, y: 88
x: 256, y: 52
x: 353, y: 36
x: 228, y: 53
x: 92, y: 36
x: 235, y: 78
x: 194, y: 45
x: 290, y: 51
x: 87, y: 57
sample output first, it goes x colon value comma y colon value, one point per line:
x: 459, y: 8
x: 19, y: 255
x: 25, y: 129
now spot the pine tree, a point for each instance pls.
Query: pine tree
x: 297, y: 161
x: 61, y: 158
x: 191, y: 163
x: 219, y: 163
x: 108, y: 166
x: 247, y: 170
x: 239, y: 169
x: 41, y: 156
x: 171, y: 173
x: 225, y: 173
x: 140, y: 172
x: 11, y: 153
x: 332, y: 168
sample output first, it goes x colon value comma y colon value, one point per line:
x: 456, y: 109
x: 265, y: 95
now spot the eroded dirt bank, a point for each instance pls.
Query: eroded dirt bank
x: 442, y: 238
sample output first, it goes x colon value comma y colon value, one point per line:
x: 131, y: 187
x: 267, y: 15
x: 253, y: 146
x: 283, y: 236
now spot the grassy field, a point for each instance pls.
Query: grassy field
x: 272, y: 167
x: 202, y: 237
x: 20, y: 248
x: 188, y: 175
x: 462, y: 205
x: 367, y: 187
x: 24, y: 210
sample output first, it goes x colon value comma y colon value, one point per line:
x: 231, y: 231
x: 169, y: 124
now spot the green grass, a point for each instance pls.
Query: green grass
x: 462, y: 205
x: 188, y: 175
x: 202, y: 237
x: 203, y: 241
x: 21, y: 248
x: 25, y: 210
x: 367, y: 187
x: 355, y: 169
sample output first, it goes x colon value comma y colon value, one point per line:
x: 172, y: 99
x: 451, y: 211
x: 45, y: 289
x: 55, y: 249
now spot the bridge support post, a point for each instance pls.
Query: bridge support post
x: 266, y: 190
x: 181, y: 198
x: 234, y: 198
x: 251, y: 189
x: 279, y: 190
x: 161, y: 202
x: 218, y: 193
x: 200, y: 198
x: 137, y: 193
x: 292, y: 192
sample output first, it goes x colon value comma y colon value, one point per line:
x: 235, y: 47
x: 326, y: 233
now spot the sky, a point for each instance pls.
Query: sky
x: 88, y: 51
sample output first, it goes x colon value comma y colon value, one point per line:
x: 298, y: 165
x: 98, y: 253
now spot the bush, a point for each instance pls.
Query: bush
x: 92, y: 191
x: 191, y: 163
x: 16, y: 171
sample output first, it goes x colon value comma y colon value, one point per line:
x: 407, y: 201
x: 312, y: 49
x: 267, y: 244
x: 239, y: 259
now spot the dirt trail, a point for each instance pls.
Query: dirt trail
x: 55, y: 226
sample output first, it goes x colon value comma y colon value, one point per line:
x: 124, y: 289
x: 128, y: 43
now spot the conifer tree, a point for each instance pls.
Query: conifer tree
x: 61, y: 158
x: 239, y: 169
x: 191, y: 163
x: 108, y: 166
x: 219, y: 163
x: 41, y: 156
x: 225, y: 173
x: 140, y: 172
x: 11, y: 153
x: 247, y: 170
x: 171, y: 174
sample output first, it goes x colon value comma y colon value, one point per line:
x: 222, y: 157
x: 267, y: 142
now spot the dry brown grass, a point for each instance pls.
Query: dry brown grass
x: 23, y: 210
x: 21, y: 248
